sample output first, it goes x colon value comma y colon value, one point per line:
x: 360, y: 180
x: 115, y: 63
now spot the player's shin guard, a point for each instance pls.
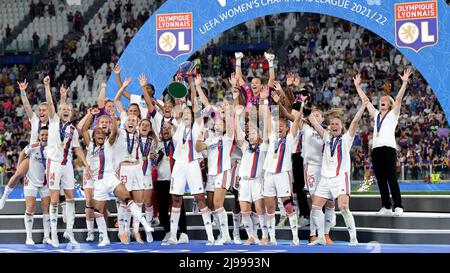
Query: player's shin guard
x: 46, y: 225
x: 271, y: 225
x: 206, y: 215
x: 28, y: 220
x: 248, y: 225
x: 136, y: 220
x: 70, y: 214
x: 349, y: 222
x: 127, y: 220
x: 121, y: 218
x: 263, y: 224
x: 101, y: 224
x: 217, y: 222
x: 174, y: 219
x: 329, y: 215
x: 318, y: 218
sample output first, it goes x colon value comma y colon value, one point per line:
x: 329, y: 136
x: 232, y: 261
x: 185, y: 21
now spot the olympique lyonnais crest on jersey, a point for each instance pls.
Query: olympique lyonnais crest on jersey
x: 416, y: 24
x: 174, y: 34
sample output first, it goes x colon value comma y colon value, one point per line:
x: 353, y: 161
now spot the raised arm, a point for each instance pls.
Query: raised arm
x: 266, y: 111
x: 201, y: 94
x: 362, y: 95
x: 63, y: 94
x: 114, y: 130
x: 200, y: 145
x: 237, y: 125
x: 23, y: 96
x: 147, y: 98
x: 117, y: 70
x: 102, y: 95
x: 298, y: 123
x: 316, y: 125
x: 357, y: 118
x: 283, y: 110
x: 48, y: 95
x: 117, y: 98
x: 239, y: 56
x: 85, y: 120
x: 195, y: 107
x: 401, y: 92
x: 85, y: 128
x: 270, y: 57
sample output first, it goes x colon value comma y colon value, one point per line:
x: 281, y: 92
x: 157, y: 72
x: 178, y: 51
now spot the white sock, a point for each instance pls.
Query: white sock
x: 70, y: 214
x: 128, y: 216
x: 136, y: 220
x: 281, y: 207
x: 101, y: 224
x: 271, y: 225
x: 293, y: 222
x: 255, y: 220
x: 217, y: 222
x: 349, y: 222
x: 90, y: 224
x: 136, y: 211
x: 312, y: 225
x: 46, y: 224
x: 174, y: 219
x: 329, y: 213
x: 263, y: 224
x: 28, y: 220
x: 236, y: 222
x: 248, y: 225
x: 149, y: 215
x: 54, y: 218
x: 7, y: 191
x: 319, y: 219
x: 206, y: 215
x: 121, y: 218
x: 63, y: 209
x: 223, y: 219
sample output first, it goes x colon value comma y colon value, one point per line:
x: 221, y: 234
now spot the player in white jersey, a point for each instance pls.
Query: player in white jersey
x: 35, y: 182
x: 37, y: 121
x: 278, y: 165
x: 104, y: 123
x: 147, y: 144
x: 219, y: 148
x: 63, y: 136
x: 251, y: 174
x: 336, y: 164
x: 312, y: 152
x: 187, y: 170
x: 101, y: 153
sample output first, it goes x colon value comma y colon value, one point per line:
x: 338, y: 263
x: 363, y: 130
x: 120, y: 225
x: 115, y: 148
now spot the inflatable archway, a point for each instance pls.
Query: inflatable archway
x: 419, y: 29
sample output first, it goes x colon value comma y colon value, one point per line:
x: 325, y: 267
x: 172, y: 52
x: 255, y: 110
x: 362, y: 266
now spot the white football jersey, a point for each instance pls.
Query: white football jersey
x: 145, y: 147
x: 61, y: 139
x: 219, y: 153
x: 125, y: 147
x: 36, y: 124
x: 36, y: 169
x: 279, y: 154
x: 312, y: 145
x: 100, y: 159
x: 253, y: 160
x: 339, y: 162
x: 185, y: 139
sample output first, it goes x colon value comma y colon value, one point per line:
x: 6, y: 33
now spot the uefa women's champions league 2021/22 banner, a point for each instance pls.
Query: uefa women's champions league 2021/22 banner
x: 419, y: 29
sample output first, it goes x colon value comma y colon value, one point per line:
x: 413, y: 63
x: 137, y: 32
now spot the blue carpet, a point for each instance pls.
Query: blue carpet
x: 199, y: 247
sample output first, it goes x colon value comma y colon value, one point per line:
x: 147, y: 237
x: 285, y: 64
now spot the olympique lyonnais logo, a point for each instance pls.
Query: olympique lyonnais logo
x: 174, y: 34
x: 416, y: 24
